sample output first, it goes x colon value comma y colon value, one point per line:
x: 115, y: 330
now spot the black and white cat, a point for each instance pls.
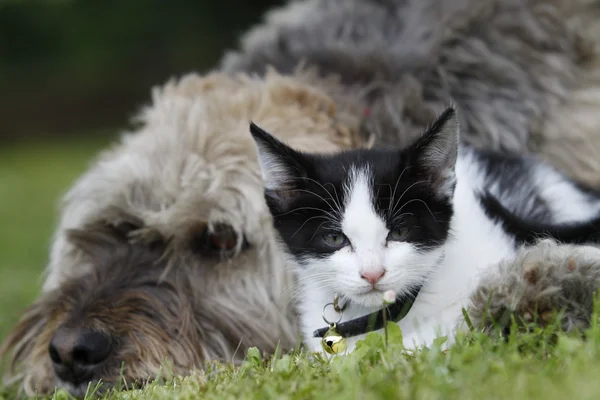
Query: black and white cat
x: 427, y: 220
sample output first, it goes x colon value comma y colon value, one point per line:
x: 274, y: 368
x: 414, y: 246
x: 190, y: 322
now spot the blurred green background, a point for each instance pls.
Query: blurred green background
x: 72, y: 74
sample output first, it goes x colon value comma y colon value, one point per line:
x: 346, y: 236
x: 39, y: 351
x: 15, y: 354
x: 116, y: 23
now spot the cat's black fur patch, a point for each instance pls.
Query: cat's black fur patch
x: 507, y: 172
x: 511, y: 175
x: 301, y: 208
x: 529, y: 231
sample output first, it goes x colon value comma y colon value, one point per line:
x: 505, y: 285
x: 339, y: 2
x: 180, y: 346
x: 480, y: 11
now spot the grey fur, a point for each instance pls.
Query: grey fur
x: 541, y: 281
x: 513, y: 67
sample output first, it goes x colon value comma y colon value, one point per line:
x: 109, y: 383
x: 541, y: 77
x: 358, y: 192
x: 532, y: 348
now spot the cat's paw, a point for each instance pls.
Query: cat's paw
x: 541, y: 281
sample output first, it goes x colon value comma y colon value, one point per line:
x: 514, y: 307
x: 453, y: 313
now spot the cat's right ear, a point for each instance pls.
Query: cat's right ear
x: 280, y: 165
x: 437, y: 152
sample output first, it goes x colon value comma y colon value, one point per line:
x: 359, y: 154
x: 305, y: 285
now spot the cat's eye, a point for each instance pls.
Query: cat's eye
x: 398, y: 234
x: 335, y: 239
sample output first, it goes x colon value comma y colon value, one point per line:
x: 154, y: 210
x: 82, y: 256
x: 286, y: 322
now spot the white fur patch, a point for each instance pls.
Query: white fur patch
x: 568, y: 204
x: 361, y: 224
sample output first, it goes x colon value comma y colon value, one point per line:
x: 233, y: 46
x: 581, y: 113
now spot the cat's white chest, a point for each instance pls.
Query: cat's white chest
x: 418, y: 329
x: 311, y: 316
x: 429, y: 318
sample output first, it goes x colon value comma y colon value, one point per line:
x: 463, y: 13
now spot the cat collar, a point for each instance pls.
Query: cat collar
x: 374, y: 321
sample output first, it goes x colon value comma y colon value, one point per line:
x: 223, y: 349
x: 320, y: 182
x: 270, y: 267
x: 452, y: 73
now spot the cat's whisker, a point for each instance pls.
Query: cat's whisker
x: 405, y: 191
x: 326, y: 281
x: 339, y: 203
x: 336, y: 200
x: 316, y: 272
x: 390, y: 210
x: 317, y: 230
x: 378, y: 196
x: 333, y: 209
x: 308, y: 220
x: 402, y: 215
x: 294, y: 289
x: 333, y: 218
x: 328, y: 215
x: 338, y: 206
x: 300, y: 284
x: 421, y: 201
x: 299, y: 209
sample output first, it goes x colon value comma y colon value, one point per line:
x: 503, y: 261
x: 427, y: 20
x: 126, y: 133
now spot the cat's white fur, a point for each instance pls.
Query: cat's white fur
x: 476, y: 244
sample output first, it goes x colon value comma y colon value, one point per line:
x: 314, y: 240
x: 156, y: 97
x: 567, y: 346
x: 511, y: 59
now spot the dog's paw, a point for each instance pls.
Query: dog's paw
x: 540, y: 282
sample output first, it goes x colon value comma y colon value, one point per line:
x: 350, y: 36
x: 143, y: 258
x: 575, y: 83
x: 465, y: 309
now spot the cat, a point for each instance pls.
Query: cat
x: 424, y: 222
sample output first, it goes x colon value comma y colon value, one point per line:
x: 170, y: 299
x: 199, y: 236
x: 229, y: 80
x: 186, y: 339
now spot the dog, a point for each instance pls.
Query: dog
x: 164, y: 250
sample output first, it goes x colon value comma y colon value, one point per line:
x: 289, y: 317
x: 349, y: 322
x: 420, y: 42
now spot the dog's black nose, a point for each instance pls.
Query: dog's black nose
x: 76, y: 351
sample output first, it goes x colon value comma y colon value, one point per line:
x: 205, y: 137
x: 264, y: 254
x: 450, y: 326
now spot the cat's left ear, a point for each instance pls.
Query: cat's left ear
x: 437, y: 152
x: 279, y: 163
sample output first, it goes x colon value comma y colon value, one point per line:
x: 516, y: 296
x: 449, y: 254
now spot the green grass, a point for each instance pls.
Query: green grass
x: 542, y: 365
x: 478, y: 367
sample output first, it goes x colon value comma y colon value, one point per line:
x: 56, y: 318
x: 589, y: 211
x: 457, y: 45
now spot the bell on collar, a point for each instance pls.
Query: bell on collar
x: 333, y: 342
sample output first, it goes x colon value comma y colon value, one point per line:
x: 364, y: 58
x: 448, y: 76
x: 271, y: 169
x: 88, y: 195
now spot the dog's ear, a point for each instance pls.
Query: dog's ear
x: 20, y: 342
x: 283, y: 169
x: 99, y: 239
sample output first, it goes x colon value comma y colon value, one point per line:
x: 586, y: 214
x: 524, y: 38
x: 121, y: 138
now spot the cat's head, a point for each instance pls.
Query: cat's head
x: 362, y: 222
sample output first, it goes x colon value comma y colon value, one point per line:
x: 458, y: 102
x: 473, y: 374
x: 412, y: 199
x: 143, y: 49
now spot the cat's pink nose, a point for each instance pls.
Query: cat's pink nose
x: 373, y: 276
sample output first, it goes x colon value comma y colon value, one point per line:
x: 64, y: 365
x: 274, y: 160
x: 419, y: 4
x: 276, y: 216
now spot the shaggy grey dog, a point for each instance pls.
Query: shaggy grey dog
x: 171, y: 221
x: 524, y: 73
x: 165, y: 249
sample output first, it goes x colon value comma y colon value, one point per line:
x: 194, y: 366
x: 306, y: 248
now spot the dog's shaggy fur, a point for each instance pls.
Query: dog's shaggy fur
x: 193, y: 163
x: 134, y: 254
x: 525, y: 74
